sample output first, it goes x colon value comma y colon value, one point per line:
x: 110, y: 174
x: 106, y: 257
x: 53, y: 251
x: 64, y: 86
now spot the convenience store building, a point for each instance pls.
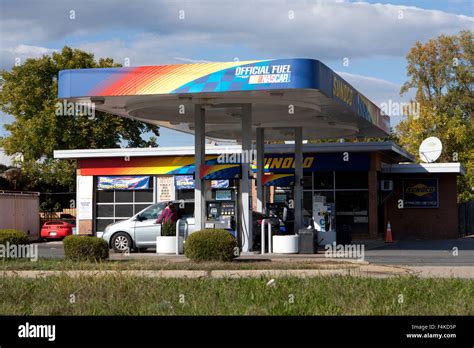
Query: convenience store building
x: 369, y: 184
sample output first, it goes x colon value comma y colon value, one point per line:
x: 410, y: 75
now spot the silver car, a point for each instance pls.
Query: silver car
x: 140, y: 231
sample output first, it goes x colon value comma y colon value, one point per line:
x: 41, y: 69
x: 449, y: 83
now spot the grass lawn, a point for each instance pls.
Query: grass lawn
x: 336, y: 295
x: 157, y: 264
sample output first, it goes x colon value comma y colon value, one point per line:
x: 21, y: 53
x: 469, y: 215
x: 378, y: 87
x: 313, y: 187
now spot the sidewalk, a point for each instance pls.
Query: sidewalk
x: 256, y: 256
x: 343, y: 270
x: 465, y: 272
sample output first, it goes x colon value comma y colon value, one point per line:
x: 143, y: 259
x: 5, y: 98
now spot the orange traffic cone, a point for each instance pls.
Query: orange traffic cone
x: 388, y: 235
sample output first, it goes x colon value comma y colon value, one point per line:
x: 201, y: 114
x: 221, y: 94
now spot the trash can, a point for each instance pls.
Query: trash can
x: 308, y: 243
x: 344, y: 235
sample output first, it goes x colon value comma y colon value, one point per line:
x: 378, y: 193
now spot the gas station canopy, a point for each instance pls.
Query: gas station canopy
x: 282, y: 93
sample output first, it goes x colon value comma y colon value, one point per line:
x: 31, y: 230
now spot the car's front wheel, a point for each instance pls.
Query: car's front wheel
x: 121, y: 242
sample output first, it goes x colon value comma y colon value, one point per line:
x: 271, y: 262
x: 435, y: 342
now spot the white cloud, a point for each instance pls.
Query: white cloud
x: 29, y: 51
x: 221, y: 30
x: 10, y: 55
x: 189, y: 60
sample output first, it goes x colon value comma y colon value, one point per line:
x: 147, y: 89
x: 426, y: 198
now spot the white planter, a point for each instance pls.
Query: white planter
x: 285, y: 244
x: 167, y: 245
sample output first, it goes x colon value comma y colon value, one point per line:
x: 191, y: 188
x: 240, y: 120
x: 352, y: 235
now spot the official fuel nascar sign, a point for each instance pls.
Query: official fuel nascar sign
x: 278, y: 73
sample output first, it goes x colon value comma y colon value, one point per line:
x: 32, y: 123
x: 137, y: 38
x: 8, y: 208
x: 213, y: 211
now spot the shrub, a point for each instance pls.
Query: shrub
x: 13, y: 237
x: 85, y: 248
x: 168, y: 228
x: 211, y: 245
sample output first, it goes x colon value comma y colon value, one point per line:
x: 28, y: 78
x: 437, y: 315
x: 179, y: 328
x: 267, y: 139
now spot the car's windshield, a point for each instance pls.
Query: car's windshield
x: 153, y: 211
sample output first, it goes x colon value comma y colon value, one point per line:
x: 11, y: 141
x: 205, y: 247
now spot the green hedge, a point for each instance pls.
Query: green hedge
x: 13, y: 237
x: 85, y: 248
x: 168, y: 228
x: 211, y: 245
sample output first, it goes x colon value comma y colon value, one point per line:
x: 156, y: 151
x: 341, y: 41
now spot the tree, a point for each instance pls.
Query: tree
x: 29, y: 93
x: 441, y: 72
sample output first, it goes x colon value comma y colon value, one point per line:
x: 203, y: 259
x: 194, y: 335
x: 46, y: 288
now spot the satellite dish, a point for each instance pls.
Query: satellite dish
x: 430, y: 149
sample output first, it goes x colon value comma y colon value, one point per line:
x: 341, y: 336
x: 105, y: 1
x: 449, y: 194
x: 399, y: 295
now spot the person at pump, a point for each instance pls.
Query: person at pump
x: 169, y: 214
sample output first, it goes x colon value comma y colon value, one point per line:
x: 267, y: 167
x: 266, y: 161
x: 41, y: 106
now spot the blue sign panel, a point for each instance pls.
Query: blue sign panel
x: 323, y: 162
x: 420, y: 193
x: 123, y: 182
x: 184, y: 182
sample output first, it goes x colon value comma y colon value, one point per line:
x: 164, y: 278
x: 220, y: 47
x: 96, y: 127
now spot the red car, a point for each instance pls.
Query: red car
x: 56, y: 230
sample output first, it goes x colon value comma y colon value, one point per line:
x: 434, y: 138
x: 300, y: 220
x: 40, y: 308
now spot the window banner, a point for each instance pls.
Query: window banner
x: 123, y: 182
x: 420, y: 193
x: 184, y: 182
x: 220, y: 183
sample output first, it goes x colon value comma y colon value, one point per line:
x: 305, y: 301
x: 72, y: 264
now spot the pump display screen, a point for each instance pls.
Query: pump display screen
x: 223, y: 195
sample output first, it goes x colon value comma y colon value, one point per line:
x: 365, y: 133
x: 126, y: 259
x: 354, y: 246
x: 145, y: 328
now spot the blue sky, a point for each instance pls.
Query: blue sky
x: 374, y: 36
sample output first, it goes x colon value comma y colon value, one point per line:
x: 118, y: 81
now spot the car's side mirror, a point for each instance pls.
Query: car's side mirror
x: 140, y: 218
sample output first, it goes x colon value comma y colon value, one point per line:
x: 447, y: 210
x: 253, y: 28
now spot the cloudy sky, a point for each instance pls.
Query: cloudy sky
x: 373, y: 37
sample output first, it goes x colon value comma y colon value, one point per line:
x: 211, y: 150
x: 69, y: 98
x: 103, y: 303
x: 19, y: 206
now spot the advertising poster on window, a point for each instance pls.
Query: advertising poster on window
x: 420, y: 193
x: 123, y: 182
x: 184, y: 182
x: 165, y: 188
x: 84, y: 197
x: 220, y: 183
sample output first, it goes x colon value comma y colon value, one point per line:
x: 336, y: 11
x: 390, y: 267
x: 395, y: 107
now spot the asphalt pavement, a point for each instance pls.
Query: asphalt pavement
x: 459, y: 252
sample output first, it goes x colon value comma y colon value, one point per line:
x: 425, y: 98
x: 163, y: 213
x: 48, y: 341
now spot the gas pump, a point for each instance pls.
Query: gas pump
x: 221, y: 210
x: 282, y: 215
x: 275, y: 209
x: 324, y: 220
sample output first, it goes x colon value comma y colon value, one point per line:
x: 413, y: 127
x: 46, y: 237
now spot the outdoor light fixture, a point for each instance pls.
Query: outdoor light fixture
x: 185, y: 97
x: 98, y: 101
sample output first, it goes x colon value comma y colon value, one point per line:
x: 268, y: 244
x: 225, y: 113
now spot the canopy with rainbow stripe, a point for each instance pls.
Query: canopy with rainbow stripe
x: 296, y: 92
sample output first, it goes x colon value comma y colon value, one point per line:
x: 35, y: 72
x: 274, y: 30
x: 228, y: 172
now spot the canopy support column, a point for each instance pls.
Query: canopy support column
x: 246, y: 220
x: 298, y: 204
x: 260, y: 169
x: 199, y: 159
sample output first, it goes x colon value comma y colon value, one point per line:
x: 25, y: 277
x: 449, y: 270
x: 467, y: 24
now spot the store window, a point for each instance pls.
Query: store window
x: 352, y: 210
x: 308, y: 181
x: 307, y: 202
x: 113, y: 205
x: 323, y: 180
x: 185, y: 195
x: 328, y: 194
x: 347, y: 190
x: 351, y: 180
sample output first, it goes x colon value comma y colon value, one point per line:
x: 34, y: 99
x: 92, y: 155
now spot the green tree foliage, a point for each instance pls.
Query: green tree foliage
x: 441, y: 73
x: 29, y: 93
